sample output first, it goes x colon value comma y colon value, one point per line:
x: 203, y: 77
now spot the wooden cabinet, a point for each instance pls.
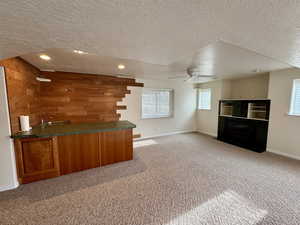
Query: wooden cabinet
x: 42, y: 158
x: 78, y: 152
x: 115, y: 146
x: 37, y: 158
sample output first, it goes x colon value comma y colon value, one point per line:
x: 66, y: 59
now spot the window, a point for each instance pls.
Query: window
x: 157, y: 103
x: 295, y: 100
x: 204, y: 98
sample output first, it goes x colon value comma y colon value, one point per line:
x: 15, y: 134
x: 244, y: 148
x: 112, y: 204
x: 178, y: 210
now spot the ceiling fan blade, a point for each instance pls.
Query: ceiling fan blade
x: 207, y: 76
x: 188, y: 79
x: 177, y: 77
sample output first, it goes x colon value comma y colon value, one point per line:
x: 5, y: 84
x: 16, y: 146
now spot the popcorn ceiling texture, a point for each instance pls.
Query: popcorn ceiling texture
x: 158, y: 32
x: 187, y: 179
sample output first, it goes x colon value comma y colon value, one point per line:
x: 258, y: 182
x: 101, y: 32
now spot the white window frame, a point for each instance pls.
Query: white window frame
x: 198, y: 99
x: 293, y: 94
x: 171, y: 103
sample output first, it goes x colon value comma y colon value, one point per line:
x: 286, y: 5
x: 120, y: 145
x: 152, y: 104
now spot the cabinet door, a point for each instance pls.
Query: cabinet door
x: 115, y: 146
x: 37, y: 159
x: 78, y: 152
x: 261, y: 136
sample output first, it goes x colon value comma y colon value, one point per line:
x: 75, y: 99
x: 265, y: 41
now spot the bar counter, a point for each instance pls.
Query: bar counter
x: 73, y: 128
x: 54, y: 150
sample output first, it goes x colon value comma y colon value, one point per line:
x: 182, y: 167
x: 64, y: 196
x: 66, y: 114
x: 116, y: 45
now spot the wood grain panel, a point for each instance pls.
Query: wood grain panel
x: 136, y: 136
x: 23, y: 91
x: 115, y: 146
x: 83, y: 97
x: 37, y: 155
x: 78, y: 152
x: 37, y: 158
x: 74, y: 97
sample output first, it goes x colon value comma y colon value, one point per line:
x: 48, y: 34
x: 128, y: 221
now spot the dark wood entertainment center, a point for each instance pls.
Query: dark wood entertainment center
x: 244, y: 123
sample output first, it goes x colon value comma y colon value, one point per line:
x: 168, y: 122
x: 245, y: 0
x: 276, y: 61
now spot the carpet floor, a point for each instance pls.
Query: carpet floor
x: 183, y: 179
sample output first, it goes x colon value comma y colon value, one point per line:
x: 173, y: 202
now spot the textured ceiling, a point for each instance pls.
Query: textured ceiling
x: 221, y: 59
x: 162, y: 32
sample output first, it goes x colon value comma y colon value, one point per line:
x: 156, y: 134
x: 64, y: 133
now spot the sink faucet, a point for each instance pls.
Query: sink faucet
x: 44, y: 123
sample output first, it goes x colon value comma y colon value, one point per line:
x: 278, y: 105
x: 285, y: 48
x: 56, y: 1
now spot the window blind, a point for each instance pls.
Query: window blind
x: 156, y: 103
x: 204, y: 99
x: 295, y: 102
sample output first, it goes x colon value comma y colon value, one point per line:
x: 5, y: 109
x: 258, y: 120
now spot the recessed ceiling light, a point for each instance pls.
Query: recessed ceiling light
x: 121, y: 67
x: 45, y: 57
x: 79, y: 52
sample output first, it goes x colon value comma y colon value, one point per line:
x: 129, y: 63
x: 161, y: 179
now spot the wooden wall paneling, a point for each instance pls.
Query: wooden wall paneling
x: 23, y: 91
x: 70, y: 96
x: 78, y: 152
x: 83, y: 97
x: 115, y: 146
x: 136, y: 136
x: 37, y: 158
x: 121, y: 107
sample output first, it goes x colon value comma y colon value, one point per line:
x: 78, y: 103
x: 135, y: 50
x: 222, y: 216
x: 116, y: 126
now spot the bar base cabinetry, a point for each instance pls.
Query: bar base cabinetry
x: 42, y: 158
x: 78, y: 152
x: 116, y: 146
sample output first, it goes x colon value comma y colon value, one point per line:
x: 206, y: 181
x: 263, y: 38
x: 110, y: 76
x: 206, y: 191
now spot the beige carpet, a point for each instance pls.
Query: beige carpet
x: 176, y: 180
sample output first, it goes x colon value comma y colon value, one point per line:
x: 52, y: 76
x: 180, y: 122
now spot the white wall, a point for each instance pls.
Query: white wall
x: 8, y: 177
x: 207, y: 120
x: 284, y: 130
x: 184, y: 109
x: 250, y: 87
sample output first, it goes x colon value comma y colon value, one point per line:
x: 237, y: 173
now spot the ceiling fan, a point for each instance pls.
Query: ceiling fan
x: 193, y: 73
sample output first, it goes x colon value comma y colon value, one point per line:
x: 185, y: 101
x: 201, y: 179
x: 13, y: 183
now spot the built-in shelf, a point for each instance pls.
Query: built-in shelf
x: 257, y: 110
x: 226, y: 109
x: 245, y: 99
x: 246, y: 109
x: 244, y: 122
x: 246, y: 118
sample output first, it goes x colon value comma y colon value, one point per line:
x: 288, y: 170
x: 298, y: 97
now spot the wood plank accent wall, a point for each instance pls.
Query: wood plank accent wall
x: 70, y: 96
x: 82, y: 97
x: 23, y: 91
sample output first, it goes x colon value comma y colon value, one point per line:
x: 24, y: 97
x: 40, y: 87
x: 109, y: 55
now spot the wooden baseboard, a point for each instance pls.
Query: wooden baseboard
x: 136, y: 136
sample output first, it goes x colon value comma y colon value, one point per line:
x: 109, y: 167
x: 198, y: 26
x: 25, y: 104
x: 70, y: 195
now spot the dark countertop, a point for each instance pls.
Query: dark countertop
x: 75, y: 128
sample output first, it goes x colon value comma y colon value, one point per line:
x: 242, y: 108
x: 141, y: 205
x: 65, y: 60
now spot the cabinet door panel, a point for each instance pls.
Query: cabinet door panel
x: 37, y: 158
x: 78, y: 152
x: 261, y: 136
x: 115, y: 146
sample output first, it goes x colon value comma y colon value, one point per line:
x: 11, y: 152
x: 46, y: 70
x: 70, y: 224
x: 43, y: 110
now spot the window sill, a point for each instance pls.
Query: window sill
x: 204, y: 109
x: 296, y: 115
x: 156, y: 117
